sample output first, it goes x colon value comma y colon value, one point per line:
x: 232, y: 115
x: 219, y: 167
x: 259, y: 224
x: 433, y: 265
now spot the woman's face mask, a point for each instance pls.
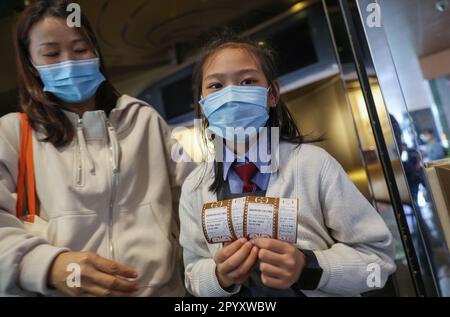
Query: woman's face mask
x: 236, y: 109
x: 73, y: 82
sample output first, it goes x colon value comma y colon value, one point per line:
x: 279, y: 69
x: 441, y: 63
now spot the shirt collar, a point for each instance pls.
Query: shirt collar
x: 239, y: 159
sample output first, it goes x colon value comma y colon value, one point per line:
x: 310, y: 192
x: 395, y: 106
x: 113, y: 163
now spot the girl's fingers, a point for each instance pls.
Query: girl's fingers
x: 237, y: 258
x: 272, y: 282
x: 247, y: 265
x: 243, y: 279
x: 273, y: 245
x: 272, y: 271
x: 270, y: 257
x: 225, y: 253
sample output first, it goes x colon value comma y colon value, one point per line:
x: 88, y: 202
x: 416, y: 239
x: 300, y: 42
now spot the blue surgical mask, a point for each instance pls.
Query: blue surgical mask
x: 236, y: 107
x: 72, y: 81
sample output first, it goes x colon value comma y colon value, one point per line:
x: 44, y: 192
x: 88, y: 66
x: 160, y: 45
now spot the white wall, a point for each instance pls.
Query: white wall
x: 401, y: 23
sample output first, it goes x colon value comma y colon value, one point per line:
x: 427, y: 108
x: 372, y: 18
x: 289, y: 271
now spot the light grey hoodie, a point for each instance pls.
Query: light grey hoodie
x: 113, y: 191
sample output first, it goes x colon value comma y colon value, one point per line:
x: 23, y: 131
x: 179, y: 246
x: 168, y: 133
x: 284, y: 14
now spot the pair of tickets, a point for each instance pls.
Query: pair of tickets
x: 250, y: 217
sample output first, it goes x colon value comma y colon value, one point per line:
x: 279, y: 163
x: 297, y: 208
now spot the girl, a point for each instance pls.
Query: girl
x: 106, y: 183
x: 340, y: 236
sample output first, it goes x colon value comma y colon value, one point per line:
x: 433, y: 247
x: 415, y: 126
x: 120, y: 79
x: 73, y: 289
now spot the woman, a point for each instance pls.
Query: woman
x: 104, y: 176
x: 340, y: 236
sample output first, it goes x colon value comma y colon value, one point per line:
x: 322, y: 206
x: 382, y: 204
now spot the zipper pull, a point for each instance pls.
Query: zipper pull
x: 79, y: 160
x: 83, y: 147
x: 114, y: 146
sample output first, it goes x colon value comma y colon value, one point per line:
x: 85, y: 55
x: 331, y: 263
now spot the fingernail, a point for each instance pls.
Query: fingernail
x: 243, y: 240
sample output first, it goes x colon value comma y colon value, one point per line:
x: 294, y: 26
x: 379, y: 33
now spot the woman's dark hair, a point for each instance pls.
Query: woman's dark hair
x: 41, y: 108
x: 279, y: 116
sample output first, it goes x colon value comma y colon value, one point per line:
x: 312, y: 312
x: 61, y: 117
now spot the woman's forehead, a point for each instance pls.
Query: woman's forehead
x: 53, y: 30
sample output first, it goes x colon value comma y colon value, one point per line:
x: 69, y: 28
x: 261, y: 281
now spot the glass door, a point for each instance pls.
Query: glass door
x: 400, y: 52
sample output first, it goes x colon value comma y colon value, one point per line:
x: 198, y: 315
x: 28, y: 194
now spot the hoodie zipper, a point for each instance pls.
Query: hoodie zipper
x: 79, y: 172
x: 114, y: 184
x: 114, y: 181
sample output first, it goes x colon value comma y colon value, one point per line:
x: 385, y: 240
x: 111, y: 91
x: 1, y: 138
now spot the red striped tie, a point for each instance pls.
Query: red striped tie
x: 246, y: 172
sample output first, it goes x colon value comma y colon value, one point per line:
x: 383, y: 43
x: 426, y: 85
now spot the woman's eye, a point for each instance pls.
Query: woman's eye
x: 248, y: 82
x: 51, y: 54
x: 215, y: 86
x: 81, y: 51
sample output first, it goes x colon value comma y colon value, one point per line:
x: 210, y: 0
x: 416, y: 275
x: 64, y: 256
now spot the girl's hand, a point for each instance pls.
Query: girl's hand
x: 281, y: 263
x: 234, y: 262
x: 99, y: 276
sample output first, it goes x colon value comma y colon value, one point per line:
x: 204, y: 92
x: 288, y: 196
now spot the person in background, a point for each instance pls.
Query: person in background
x: 433, y: 148
x: 411, y: 161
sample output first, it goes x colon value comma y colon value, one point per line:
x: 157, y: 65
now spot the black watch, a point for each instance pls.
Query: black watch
x: 311, y: 275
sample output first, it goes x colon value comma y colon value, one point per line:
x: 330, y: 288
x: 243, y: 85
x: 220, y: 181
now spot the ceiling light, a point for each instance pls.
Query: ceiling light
x: 442, y: 5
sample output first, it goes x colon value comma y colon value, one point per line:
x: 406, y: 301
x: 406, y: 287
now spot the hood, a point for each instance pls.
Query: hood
x: 121, y: 117
x: 94, y: 125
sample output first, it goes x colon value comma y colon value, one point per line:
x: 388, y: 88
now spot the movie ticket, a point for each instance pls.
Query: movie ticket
x: 251, y: 217
x: 216, y: 222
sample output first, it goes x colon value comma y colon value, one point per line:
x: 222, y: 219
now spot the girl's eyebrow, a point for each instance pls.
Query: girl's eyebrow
x: 78, y: 40
x: 240, y: 72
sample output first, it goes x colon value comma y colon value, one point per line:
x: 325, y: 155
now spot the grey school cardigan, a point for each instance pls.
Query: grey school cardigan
x: 349, y: 238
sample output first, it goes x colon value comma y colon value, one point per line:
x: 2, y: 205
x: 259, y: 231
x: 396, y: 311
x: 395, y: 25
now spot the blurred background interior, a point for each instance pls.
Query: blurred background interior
x: 149, y: 47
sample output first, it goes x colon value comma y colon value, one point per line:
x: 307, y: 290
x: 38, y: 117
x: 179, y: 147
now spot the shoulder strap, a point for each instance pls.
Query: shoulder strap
x: 26, y: 187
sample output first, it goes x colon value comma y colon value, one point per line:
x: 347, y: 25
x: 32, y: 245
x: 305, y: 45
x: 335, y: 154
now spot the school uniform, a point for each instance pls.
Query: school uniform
x: 344, y: 232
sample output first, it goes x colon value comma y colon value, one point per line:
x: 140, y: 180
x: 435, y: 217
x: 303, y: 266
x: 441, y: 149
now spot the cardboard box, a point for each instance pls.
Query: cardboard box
x: 438, y: 176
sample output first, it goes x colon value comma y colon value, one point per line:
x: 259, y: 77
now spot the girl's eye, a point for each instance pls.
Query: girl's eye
x: 80, y: 51
x: 248, y: 82
x: 215, y: 86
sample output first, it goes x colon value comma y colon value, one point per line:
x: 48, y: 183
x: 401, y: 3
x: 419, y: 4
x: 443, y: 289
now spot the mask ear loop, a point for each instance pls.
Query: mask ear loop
x: 205, y: 132
x: 97, y: 55
x: 270, y: 92
x: 32, y: 64
x: 34, y: 69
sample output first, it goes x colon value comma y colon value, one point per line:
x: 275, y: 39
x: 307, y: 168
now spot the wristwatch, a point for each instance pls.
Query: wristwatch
x: 311, y: 275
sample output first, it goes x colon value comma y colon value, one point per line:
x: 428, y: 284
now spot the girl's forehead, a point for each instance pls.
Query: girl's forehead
x: 228, y: 59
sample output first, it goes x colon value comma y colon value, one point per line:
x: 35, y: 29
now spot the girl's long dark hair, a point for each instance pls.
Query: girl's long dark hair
x: 41, y: 108
x: 279, y: 116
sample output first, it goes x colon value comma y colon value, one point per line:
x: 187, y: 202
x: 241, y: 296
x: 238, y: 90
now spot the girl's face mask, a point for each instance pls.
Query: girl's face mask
x: 234, y: 109
x: 73, y: 82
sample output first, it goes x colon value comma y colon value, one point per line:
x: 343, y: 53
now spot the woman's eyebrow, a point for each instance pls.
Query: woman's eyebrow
x: 55, y: 43
x: 48, y: 44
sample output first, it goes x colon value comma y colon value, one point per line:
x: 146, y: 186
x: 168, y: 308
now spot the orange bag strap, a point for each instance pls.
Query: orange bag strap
x: 26, y: 180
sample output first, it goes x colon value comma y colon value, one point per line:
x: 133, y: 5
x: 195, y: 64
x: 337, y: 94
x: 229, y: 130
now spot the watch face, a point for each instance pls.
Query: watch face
x: 312, y: 273
x: 310, y: 278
